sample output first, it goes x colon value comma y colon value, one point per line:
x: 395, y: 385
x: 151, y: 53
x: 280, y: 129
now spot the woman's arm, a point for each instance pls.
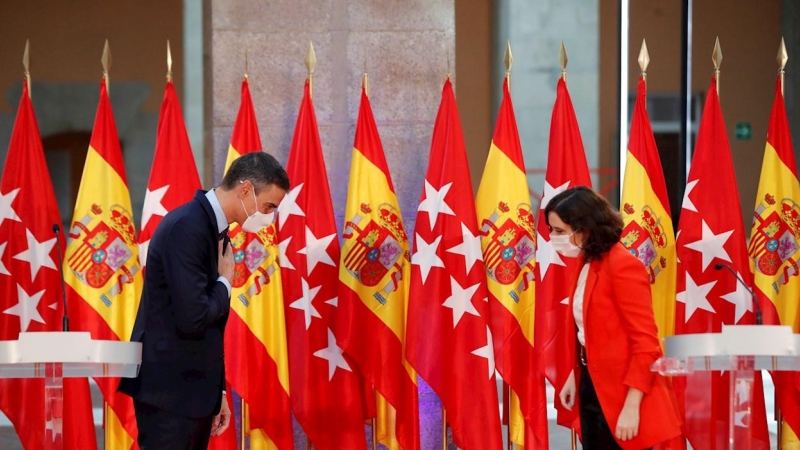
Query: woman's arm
x: 631, y: 288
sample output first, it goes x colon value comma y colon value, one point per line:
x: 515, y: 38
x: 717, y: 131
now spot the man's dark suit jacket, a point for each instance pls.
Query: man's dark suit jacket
x: 182, y: 316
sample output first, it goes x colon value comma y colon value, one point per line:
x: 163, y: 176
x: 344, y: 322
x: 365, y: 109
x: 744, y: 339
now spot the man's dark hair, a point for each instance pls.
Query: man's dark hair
x: 586, y: 211
x: 261, y: 169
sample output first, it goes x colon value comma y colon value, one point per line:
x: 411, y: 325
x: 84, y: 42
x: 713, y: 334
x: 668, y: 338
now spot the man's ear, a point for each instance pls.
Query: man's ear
x: 243, y: 189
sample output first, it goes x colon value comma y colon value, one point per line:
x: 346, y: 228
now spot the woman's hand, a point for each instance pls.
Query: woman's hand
x: 567, y: 394
x: 628, y: 422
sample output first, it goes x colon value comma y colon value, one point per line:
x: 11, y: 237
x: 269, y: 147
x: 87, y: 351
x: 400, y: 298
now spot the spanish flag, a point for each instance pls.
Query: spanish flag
x: 774, y: 250
x: 374, y: 274
x: 102, y: 270
x: 508, y: 239
x: 648, y: 231
x: 256, y: 360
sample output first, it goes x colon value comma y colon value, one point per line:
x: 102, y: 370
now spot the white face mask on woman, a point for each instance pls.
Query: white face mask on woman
x: 258, y: 220
x: 564, y: 246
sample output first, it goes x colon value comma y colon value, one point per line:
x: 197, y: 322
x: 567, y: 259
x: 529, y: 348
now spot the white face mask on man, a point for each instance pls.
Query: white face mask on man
x: 564, y: 246
x: 258, y: 220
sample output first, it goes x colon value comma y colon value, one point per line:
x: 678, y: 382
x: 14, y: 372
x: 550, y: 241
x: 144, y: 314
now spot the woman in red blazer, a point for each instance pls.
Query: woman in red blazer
x: 622, y: 403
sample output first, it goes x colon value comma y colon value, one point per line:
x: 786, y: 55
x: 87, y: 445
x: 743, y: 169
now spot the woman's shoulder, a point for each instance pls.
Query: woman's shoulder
x: 618, y: 256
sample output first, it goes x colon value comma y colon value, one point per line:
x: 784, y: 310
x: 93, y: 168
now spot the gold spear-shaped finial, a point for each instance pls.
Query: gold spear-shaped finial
x: 311, y: 64
x: 26, y: 63
x: 563, y: 60
x: 246, y: 62
x: 783, y: 57
x: 716, y: 58
x: 365, y: 81
x: 106, y: 60
x: 508, y: 59
x: 644, y: 59
x: 449, y: 72
x: 169, y: 62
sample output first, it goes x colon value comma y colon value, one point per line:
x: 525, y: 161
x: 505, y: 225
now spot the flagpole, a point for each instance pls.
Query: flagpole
x: 444, y: 422
x: 311, y: 64
x: 563, y: 61
x: 782, y: 58
x: 245, y: 421
x: 105, y: 60
x: 716, y: 58
x: 508, y: 60
x: 374, y: 422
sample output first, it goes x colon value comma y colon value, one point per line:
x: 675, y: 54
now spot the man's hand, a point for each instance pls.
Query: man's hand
x: 223, y: 419
x: 225, y: 265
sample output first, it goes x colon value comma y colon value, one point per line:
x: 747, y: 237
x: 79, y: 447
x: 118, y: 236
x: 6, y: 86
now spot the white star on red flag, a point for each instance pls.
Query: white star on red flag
x: 695, y: 297
x: 711, y: 245
x: 26, y: 308
x: 425, y: 256
x: 740, y: 298
x: 289, y: 206
x: 487, y: 351
x: 460, y: 300
x: 550, y: 192
x: 305, y: 303
x: 37, y: 254
x: 153, y: 204
x: 284, y: 261
x: 334, y: 355
x: 687, y: 201
x: 3, y: 270
x: 546, y: 255
x: 434, y: 203
x: 469, y: 248
x: 6, y: 210
x: 316, y: 250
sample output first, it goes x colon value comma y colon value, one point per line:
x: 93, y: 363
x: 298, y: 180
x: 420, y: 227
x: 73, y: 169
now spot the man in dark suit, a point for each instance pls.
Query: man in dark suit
x: 178, y: 393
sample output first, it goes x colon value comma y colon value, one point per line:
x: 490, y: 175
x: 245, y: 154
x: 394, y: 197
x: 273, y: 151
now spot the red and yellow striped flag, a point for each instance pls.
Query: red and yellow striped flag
x: 103, y: 275
x: 374, y: 274
x: 648, y: 231
x: 774, y: 250
x: 507, y: 231
x: 256, y: 360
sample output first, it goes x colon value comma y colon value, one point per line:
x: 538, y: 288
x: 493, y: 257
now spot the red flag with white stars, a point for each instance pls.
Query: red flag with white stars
x: 173, y: 176
x: 326, y: 396
x: 30, y: 285
x: 710, y: 231
x: 449, y: 341
x: 566, y: 168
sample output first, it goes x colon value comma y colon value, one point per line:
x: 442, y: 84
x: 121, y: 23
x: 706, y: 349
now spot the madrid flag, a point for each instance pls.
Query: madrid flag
x: 710, y: 232
x: 326, y: 394
x: 173, y: 175
x: 30, y: 287
x: 449, y: 335
x: 566, y: 168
